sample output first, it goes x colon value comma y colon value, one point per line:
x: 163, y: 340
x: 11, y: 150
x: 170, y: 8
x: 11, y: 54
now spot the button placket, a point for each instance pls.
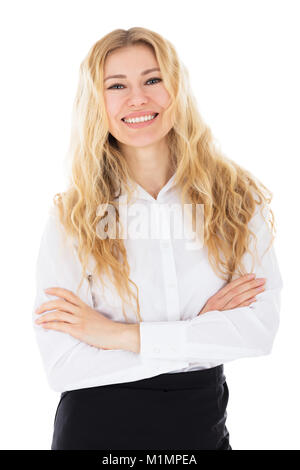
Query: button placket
x: 170, y: 280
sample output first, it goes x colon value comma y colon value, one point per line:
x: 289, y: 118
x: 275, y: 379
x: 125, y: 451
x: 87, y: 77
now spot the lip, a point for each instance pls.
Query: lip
x: 146, y: 112
x: 137, y: 125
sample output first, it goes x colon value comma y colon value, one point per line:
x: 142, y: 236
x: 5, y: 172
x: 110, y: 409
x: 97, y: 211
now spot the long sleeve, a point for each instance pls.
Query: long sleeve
x: 69, y: 363
x: 222, y: 336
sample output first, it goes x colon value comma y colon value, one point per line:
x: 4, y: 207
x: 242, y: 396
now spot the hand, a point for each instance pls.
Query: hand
x: 75, y: 317
x: 238, y: 293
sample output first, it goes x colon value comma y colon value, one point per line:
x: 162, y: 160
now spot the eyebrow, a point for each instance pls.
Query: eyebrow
x: 142, y: 73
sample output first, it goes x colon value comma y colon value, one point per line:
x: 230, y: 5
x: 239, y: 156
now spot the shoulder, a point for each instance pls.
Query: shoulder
x: 54, y: 234
x: 57, y: 246
x: 260, y: 221
x: 261, y: 225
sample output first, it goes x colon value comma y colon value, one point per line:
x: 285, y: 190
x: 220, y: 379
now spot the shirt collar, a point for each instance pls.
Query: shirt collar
x: 140, y: 193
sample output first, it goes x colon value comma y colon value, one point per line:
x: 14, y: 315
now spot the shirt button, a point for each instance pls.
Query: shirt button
x: 171, y: 285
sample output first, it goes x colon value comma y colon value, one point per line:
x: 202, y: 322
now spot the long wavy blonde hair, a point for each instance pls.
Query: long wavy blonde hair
x: 228, y: 192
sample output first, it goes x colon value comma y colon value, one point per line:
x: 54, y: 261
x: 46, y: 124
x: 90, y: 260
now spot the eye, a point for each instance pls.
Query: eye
x: 152, y: 79
x: 119, y: 84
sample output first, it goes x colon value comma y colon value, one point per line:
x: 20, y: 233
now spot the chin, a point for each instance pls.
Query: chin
x: 142, y: 142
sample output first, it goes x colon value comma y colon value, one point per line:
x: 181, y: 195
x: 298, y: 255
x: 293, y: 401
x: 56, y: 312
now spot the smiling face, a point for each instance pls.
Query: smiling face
x: 136, y: 93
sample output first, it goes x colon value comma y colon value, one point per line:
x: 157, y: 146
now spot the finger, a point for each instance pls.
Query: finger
x: 57, y: 315
x: 247, y: 302
x: 241, y: 299
x: 57, y: 304
x: 243, y: 292
x: 65, y: 294
x: 247, y: 286
x: 60, y: 326
x: 233, y: 284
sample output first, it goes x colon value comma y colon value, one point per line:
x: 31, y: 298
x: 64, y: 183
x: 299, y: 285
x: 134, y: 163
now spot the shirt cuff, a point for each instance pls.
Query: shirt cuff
x: 163, y: 340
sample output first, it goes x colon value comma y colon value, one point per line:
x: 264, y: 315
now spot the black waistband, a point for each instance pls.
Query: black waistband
x: 181, y: 380
x: 194, y: 379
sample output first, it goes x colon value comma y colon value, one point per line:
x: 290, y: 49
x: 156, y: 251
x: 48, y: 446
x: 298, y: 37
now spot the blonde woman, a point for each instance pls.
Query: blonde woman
x: 134, y: 321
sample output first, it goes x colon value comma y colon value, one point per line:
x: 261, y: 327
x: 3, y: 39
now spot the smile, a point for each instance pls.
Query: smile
x: 141, y: 123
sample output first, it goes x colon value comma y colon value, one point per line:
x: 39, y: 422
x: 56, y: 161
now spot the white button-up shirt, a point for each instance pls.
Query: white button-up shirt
x: 175, y: 281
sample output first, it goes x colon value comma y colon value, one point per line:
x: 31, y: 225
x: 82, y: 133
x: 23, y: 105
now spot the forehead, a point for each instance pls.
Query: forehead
x: 138, y: 56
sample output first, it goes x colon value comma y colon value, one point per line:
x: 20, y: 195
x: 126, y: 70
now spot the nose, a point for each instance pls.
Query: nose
x: 137, y: 98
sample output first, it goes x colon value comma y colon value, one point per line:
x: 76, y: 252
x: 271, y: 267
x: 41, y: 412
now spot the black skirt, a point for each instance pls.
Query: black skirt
x: 184, y: 410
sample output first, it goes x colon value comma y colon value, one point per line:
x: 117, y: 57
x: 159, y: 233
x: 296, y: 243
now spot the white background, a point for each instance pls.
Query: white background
x: 243, y: 62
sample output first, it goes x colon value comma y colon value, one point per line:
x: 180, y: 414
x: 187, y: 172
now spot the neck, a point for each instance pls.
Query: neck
x: 149, y: 166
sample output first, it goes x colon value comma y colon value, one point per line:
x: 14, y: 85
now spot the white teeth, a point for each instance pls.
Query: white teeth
x: 140, y: 119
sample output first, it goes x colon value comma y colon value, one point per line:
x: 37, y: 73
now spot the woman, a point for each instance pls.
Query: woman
x: 150, y: 375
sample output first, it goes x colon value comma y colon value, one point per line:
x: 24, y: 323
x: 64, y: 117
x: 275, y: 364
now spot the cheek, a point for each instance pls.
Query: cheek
x: 113, y: 106
x: 163, y: 98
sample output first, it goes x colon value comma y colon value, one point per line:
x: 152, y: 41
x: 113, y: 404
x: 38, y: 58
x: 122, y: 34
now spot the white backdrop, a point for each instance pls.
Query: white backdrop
x: 243, y: 62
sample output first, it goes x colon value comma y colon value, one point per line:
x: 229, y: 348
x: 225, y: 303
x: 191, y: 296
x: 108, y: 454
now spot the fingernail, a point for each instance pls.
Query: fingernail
x: 251, y: 276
